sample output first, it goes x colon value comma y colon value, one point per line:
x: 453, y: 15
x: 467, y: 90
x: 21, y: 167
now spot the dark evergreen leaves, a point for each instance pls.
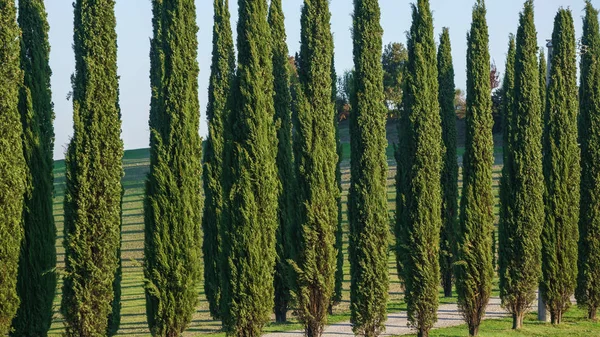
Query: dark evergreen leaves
x: 474, y: 270
x: 450, y: 166
x: 12, y: 179
x: 519, y: 239
x: 251, y: 184
x: 588, y: 286
x: 93, y: 177
x: 222, y: 71
x: 367, y: 201
x: 173, y: 204
x: 316, y: 162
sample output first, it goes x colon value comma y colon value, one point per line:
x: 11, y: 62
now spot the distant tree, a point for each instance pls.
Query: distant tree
x: 561, y: 170
x: 367, y: 200
x: 90, y: 294
x: 588, y: 287
x: 520, y: 244
x: 221, y: 75
x: 450, y: 167
x: 251, y: 181
x: 13, y: 178
x: 460, y: 103
x: 420, y: 159
x: 474, y: 270
x: 173, y: 203
x: 37, y: 279
x: 285, y: 161
x: 394, y: 60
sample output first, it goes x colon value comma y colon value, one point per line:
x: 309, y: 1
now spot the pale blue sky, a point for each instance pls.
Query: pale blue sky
x: 134, y: 30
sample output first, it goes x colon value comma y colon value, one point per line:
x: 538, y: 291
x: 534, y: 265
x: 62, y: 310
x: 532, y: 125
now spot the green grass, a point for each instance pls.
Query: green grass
x: 574, y: 325
x: 133, y: 322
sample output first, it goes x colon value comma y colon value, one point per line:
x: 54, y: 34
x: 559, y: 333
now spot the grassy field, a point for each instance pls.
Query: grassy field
x: 133, y: 322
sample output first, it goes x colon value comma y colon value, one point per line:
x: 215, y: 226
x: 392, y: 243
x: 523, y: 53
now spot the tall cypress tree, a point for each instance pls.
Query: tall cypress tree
x: 93, y: 177
x: 561, y: 169
x: 12, y: 182
x: 474, y: 270
x: 508, y: 87
x: 450, y: 166
x: 421, y: 154
x: 520, y: 244
x: 251, y: 183
x: 339, y: 233
x: 172, y: 205
x: 316, y: 162
x: 37, y: 280
x: 367, y: 203
x: 588, y: 288
x: 221, y: 74
x: 285, y: 159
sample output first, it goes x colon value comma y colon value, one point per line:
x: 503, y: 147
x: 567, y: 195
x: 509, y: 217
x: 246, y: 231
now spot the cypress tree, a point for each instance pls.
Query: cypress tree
x: 421, y: 145
x: 316, y: 162
x: 93, y: 177
x: 221, y: 74
x: 474, y: 270
x: 285, y: 159
x: 367, y: 201
x: 543, y: 84
x: 37, y: 280
x: 561, y: 169
x: 173, y: 201
x: 251, y: 183
x: 520, y: 244
x: 339, y: 233
x: 450, y: 166
x: 12, y: 182
x: 588, y: 288
x: 508, y: 86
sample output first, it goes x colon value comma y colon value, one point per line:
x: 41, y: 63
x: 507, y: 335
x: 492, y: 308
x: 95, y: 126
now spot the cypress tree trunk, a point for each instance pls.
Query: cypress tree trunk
x: 450, y: 166
x: 474, y: 270
x: 173, y: 202
x: 12, y: 179
x: 222, y: 71
x: 588, y: 288
x: 316, y: 162
x: 561, y: 170
x: 37, y: 280
x: 420, y: 171
x: 250, y: 181
x: 520, y: 244
x: 93, y: 177
x: 367, y: 203
x: 285, y: 160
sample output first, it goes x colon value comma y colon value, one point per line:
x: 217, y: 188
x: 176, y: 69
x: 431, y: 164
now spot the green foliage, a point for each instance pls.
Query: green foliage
x: 37, y: 279
x: 250, y: 181
x: 474, y: 270
x: 523, y: 216
x: 93, y: 177
x: 394, y: 60
x: 588, y: 287
x: 561, y: 169
x: 339, y: 233
x: 316, y: 162
x: 12, y: 179
x: 221, y: 75
x: 450, y: 166
x: 420, y: 159
x: 367, y: 201
x: 172, y: 207
x: 285, y: 161
x: 543, y: 84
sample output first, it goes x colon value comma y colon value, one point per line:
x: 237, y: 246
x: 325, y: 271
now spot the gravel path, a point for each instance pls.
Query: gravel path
x: 448, y: 315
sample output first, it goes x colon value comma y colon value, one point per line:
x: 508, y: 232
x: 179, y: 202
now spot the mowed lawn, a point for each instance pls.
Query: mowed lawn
x: 133, y: 316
